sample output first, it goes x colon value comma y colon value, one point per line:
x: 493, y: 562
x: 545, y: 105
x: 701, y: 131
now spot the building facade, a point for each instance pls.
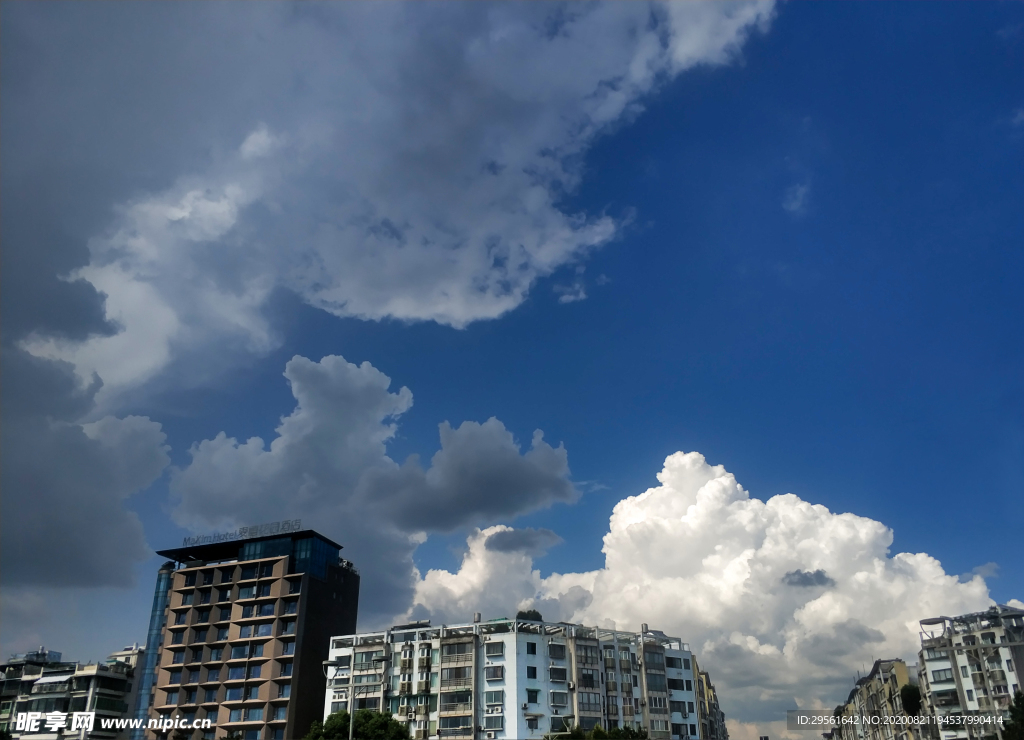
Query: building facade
x: 879, y: 694
x: 240, y: 629
x: 42, y: 682
x: 515, y: 678
x: 971, y: 665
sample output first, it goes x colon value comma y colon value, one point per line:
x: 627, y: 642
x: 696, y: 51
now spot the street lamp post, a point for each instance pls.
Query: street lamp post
x: 382, y: 662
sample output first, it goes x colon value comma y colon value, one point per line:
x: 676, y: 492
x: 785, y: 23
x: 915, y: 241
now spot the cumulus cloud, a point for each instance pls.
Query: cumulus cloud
x: 329, y: 464
x: 782, y: 599
x: 375, y: 170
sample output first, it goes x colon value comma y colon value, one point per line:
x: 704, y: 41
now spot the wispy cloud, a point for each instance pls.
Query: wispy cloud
x: 795, y: 198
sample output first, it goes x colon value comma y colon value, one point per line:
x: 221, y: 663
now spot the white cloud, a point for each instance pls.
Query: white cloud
x: 783, y: 600
x: 329, y: 464
x: 406, y: 174
x: 795, y: 198
x: 1018, y: 117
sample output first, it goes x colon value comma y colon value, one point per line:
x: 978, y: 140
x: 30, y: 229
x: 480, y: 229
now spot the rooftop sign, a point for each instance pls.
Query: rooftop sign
x: 286, y: 526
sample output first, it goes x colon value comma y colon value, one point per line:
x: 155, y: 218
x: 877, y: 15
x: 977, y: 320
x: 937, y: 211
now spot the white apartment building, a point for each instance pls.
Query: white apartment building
x: 971, y: 665
x: 515, y: 678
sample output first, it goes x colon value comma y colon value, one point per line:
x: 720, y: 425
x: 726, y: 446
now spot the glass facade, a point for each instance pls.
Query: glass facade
x: 156, y: 624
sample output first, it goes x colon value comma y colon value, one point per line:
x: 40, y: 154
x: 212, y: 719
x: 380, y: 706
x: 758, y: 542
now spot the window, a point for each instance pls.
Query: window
x: 256, y: 651
x: 689, y: 685
x: 293, y: 586
x: 248, y: 572
x: 338, y: 706
x: 557, y: 674
x: 177, y: 638
x: 280, y: 713
x: 970, y: 695
x: 245, y: 631
x: 587, y: 654
x: 255, y: 671
x: 677, y: 707
x: 635, y: 681
x: 266, y: 610
x: 238, y: 652
x: 588, y: 678
x: 556, y: 651
x: 678, y: 730
x: 494, y: 672
x: 226, y: 574
x: 174, y: 677
x: 653, y: 660
x: 202, y: 616
x: 178, y: 656
x: 208, y: 578
x: 284, y: 690
x: 193, y: 676
x: 254, y: 715
x: 451, y: 723
x: 559, y: 698
x: 235, y: 716
x: 964, y: 671
x: 180, y: 618
x: 494, y: 649
x: 676, y: 684
x: 246, y: 592
x: 656, y: 682
x: 288, y: 648
x: 186, y: 599
x: 251, y: 735
x: 237, y: 673
x: 533, y: 696
x: 291, y: 607
x: 943, y: 675
x: 693, y: 730
x: 216, y: 654
x: 210, y: 696
x: 263, y: 590
x: 659, y: 725
x: 493, y: 722
x: 172, y: 697
x: 494, y: 697
x: 213, y: 674
x: 531, y: 648
x: 589, y: 701
x: 233, y: 694
x: 1009, y: 666
x: 264, y: 630
x: 211, y: 714
x: 204, y: 597
x: 287, y: 627
x: 673, y: 663
x: 266, y: 570
x: 224, y: 594
x: 191, y: 696
x: 286, y: 669
x: 225, y: 614
x: 199, y: 636
x: 686, y: 664
x: 458, y: 648
x: 689, y: 708
x: 531, y: 671
x: 190, y: 579
x: 532, y: 723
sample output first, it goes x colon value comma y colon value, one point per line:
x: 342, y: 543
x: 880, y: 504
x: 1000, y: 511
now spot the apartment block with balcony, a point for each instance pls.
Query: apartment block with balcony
x: 240, y: 631
x: 513, y: 678
x: 878, y: 694
x: 42, y: 682
x: 971, y: 665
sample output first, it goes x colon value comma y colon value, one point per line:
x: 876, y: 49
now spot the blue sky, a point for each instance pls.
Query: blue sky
x: 809, y: 273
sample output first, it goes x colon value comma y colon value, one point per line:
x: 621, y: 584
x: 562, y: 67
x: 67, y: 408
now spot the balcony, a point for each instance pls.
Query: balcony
x: 420, y: 735
x: 460, y: 659
x: 423, y: 664
x: 612, y: 686
x: 423, y: 687
x: 461, y: 708
x: 406, y: 665
x: 455, y: 683
x: 455, y: 731
x: 609, y: 663
x: 625, y: 665
x: 405, y: 687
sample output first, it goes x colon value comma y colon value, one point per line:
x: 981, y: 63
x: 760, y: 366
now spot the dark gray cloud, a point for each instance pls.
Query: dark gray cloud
x: 329, y: 464
x: 807, y: 579
x: 533, y: 542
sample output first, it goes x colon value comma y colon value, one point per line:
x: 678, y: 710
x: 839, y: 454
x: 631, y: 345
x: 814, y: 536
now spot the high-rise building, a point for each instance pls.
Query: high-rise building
x: 517, y: 678
x: 971, y: 665
x: 240, y: 628
x: 879, y: 694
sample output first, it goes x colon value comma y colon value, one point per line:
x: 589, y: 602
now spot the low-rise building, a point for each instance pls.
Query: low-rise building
x: 879, y: 694
x: 46, y: 684
x: 517, y: 678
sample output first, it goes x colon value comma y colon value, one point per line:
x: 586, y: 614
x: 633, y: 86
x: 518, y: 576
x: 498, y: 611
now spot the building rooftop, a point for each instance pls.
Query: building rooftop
x: 210, y: 549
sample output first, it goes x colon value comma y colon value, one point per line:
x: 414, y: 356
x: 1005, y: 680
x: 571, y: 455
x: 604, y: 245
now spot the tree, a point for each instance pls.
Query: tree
x: 532, y: 614
x: 627, y: 733
x: 910, y: 696
x: 368, y: 725
x: 599, y: 733
x: 1014, y: 729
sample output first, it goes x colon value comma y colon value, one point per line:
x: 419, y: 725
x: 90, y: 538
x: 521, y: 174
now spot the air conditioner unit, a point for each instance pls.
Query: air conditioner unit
x: 571, y: 686
x: 490, y: 735
x: 525, y: 707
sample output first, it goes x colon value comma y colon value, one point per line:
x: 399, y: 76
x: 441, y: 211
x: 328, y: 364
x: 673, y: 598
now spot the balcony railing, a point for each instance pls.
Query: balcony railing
x: 461, y: 659
x: 455, y: 683
x: 456, y: 708
x: 612, y: 686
